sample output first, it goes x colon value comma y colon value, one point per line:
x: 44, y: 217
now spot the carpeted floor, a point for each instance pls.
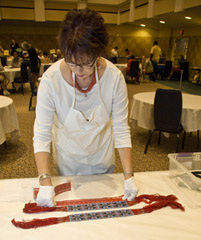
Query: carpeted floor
x: 17, y: 161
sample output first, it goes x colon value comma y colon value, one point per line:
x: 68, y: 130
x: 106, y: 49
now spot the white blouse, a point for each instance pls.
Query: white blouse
x: 55, y: 96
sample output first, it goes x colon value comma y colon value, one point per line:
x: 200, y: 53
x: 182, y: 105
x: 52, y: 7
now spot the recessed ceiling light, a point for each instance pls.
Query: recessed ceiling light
x: 142, y: 25
x: 187, y: 17
x: 163, y: 22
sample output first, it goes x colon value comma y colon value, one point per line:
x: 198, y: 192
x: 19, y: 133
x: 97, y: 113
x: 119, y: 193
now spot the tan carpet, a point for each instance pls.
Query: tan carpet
x: 17, y: 161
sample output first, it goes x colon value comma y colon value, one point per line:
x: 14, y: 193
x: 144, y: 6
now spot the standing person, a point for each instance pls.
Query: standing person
x: 84, y: 98
x: 155, y: 56
x: 128, y: 53
x: 114, y: 54
x: 34, y: 61
x: 13, y: 46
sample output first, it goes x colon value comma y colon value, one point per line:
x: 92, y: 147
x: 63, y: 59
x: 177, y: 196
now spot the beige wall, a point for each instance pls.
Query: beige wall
x: 139, y: 40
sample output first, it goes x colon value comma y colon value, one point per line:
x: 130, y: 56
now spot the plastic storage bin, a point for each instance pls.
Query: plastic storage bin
x: 185, y: 172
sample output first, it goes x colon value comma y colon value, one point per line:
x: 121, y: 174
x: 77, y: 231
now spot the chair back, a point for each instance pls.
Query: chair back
x: 46, y: 67
x: 33, y: 90
x: 134, y: 69
x: 184, y: 66
x: 3, y: 61
x: 167, y: 69
x: 24, y: 73
x: 167, y: 110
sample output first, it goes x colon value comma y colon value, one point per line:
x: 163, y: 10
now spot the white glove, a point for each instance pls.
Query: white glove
x: 45, y: 196
x: 131, y: 189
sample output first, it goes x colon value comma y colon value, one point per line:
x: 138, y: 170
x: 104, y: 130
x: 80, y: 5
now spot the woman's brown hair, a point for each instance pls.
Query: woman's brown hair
x: 83, y: 34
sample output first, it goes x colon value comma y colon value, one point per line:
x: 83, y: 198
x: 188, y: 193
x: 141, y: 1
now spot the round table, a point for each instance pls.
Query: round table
x: 8, y: 120
x: 10, y: 73
x: 142, y: 111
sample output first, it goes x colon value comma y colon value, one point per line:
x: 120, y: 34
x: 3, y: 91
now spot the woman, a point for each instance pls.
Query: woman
x: 84, y: 97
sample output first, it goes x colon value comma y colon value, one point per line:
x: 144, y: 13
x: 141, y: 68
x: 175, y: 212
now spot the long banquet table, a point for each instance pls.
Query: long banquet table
x: 8, y: 119
x: 142, y: 111
x: 162, y: 224
x: 10, y: 73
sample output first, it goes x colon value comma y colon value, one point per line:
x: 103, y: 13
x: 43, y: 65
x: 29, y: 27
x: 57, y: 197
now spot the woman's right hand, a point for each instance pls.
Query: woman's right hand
x: 45, y: 196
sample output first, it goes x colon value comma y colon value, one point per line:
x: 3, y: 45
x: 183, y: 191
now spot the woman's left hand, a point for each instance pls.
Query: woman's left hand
x: 131, y: 189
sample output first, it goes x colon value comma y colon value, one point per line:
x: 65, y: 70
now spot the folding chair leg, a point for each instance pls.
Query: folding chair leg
x: 183, y: 140
x: 159, y: 137
x: 30, y: 102
x: 198, y: 139
x: 177, y: 145
x: 148, y: 141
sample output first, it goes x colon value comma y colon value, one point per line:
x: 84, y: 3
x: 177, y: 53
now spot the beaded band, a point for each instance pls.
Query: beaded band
x: 43, y: 176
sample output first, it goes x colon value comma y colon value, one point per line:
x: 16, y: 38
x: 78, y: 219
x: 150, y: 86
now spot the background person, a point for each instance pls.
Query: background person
x: 155, y: 54
x: 128, y: 53
x: 3, y: 81
x: 34, y: 61
x: 13, y: 46
x: 147, y: 68
x: 114, y: 54
x: 84, y: 98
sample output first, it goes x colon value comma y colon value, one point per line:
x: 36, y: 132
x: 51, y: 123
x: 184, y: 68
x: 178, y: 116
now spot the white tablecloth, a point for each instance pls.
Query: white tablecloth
x: 8, y: 119
x: 163, y: 224
x: 10, y: 73
x: 42, y: 67
x: 142, y: 111
x: 122, y: 67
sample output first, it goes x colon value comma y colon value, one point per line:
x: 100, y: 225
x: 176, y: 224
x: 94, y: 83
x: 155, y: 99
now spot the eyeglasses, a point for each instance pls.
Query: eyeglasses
x: 85, y: 66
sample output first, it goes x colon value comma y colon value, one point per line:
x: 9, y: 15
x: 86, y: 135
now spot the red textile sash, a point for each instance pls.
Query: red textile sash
x: 154, y: 202
x: 96, y: 203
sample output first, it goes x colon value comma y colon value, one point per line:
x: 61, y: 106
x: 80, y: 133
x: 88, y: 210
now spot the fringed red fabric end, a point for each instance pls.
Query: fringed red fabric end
x: 158, y: 205
x: 149, y: 198
x: 34, y: 208
x: 35, y: 223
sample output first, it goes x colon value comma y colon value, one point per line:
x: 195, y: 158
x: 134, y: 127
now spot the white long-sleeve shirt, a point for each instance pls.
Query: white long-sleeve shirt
x: 55, y: 96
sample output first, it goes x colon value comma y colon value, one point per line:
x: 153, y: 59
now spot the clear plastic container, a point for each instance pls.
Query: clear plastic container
x: 185, y: 172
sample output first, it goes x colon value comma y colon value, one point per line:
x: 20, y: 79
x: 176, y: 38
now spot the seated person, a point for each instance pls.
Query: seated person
x: 177, y: 68
x: 147, y: 68
x: 16, y: 63
x: 57, y: 56
x: 17, y: 60
x: 132, y: 59
x: 3, y: 81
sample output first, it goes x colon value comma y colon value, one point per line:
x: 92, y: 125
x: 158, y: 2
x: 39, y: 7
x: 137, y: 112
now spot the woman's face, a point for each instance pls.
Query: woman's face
x: 82, y: 70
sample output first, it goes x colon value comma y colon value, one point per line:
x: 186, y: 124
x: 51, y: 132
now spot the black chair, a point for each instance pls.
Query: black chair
x: 167, y: 70
x: 167, y: 115
x: 185, y: 73
x: 33, y: 89
x: 134, y: 73
x: 3, y: 61
x: 23, y: 76
x: 46, y: 67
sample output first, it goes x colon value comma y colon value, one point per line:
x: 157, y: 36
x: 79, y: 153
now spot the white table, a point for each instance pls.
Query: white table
x: 42, y: 67
x: 10, y: 73
x: 8, y: 120
x: 122, y: 67
x: 162, y: 224
x: 142, y: 111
